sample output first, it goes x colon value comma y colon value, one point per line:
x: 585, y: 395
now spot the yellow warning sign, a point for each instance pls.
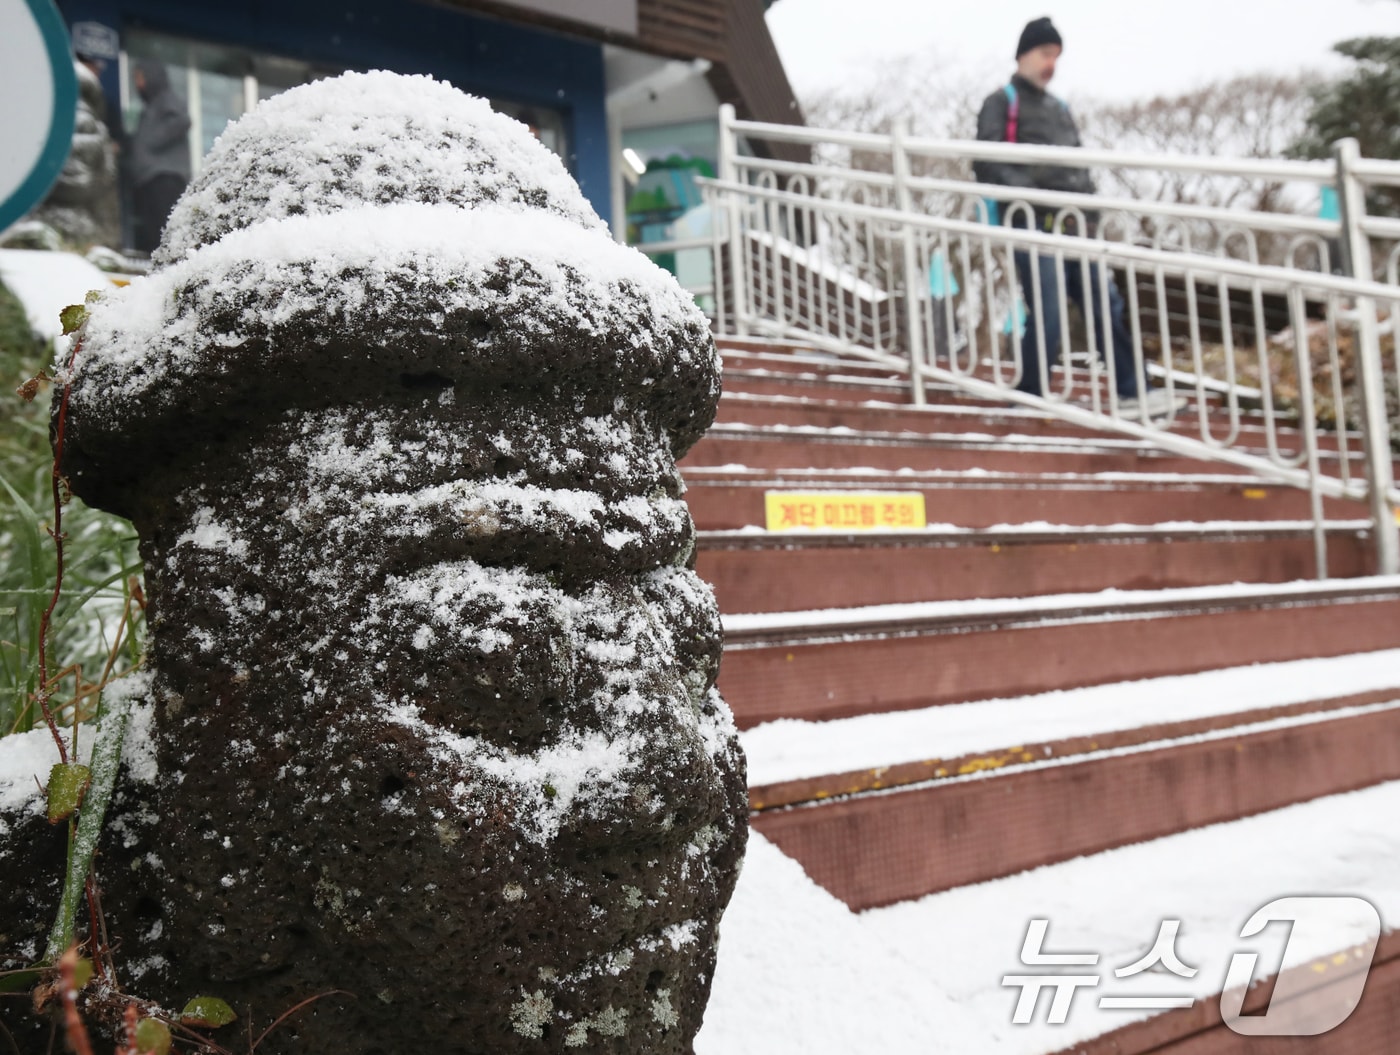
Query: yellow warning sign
x: 843, y: 510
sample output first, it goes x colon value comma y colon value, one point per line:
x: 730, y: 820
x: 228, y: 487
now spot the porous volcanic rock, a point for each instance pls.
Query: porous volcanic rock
x: 435, y: 714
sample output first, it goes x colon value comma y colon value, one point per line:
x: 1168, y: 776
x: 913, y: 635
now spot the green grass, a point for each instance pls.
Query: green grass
x: 100, y: 558
x: 100, y: 550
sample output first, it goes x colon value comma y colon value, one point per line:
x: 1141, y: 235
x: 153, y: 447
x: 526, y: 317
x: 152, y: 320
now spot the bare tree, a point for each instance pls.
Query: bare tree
x: 935, y: 99
x: 1250, y: 116
x: 1254, y: 116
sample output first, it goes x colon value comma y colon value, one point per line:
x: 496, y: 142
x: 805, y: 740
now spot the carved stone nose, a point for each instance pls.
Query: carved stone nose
x: 480, y: 652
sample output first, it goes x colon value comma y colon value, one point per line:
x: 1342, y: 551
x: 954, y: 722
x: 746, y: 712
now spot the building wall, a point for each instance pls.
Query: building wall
x: 479, y: 55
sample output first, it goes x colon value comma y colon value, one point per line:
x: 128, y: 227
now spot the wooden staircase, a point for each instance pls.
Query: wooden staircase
x: 1057, y: 558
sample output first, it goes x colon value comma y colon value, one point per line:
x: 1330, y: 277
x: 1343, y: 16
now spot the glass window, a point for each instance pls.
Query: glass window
x: 664, y: 203
x: 546, y: 124
x: 217, y: 83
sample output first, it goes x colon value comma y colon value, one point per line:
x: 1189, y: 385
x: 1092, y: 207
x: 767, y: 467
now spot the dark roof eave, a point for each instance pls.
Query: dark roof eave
x: 652, y: 36
x: 752, y: 78
x: 733, y: 34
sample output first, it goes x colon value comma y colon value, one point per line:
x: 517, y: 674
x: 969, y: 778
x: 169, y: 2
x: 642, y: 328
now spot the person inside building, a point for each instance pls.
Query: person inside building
x: 1022, y: 111
x: 158, y: 153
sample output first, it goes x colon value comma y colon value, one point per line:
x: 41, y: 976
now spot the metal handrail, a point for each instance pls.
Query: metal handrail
x: 1069, y: 157
x: 1274, y: 222
x: 675, y: 245
x: 800, y: 242
x: 1279, y: 279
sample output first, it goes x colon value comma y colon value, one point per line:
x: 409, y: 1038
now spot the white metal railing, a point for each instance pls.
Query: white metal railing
x: 1276, y: 363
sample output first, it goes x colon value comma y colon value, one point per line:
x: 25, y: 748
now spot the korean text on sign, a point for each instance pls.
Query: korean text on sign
x: 843, y: 510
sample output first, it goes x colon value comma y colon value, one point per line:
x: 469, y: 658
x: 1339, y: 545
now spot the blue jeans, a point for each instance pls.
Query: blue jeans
x: 1120, y: 341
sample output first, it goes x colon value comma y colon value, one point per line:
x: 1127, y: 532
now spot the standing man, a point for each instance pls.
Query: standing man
x: 159, y: 160
x: 1024, y: 112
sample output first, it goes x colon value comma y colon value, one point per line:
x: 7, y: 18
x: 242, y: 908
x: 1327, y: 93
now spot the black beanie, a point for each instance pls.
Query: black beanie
x: 1038, y: 31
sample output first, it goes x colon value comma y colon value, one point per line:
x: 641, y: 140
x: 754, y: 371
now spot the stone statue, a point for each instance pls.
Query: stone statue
x: 82, y: 206
x: 435, y: 715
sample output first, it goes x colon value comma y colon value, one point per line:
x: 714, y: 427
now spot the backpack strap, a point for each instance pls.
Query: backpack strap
x: 1013, y: 113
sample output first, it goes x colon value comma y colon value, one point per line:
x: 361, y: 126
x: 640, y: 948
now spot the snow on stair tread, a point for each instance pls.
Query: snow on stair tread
x: 802, y: 474
x: 1105, y: 601
x: 989, y: 410
x: 1236, y: 733
x: 1031, y: 530
x: 1212, y: 879
x: 774, y: 345
x: 969, y: 410
x: 1006, y: 441
x: 1029, y: 443
x: 799, y: 974
x: 854, y: 380
x: 791, y: 749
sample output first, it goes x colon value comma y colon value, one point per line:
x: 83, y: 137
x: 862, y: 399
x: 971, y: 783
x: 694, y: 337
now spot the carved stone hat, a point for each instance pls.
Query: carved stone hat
x: 373, y: 230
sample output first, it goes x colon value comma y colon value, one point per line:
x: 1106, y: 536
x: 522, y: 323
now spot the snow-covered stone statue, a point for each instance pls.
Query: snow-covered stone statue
x: 435, y: 713
x: 82, y: 206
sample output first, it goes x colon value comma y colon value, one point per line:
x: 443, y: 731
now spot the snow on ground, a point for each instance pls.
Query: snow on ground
x: 965, y: 941
x: 26, y: 758
x: 791, y: 750
x: 799, y: 974
x: 25, y: 761
x: 46, y: 283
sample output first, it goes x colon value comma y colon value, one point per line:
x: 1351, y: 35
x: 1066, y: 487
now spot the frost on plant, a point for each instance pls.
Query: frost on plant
x: 433, y: 684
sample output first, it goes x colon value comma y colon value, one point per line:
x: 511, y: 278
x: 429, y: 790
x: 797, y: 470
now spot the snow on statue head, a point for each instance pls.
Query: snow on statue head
x: 397, y: 422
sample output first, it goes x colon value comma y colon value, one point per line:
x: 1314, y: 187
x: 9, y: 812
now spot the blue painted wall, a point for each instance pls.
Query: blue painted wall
x: 478, y: 55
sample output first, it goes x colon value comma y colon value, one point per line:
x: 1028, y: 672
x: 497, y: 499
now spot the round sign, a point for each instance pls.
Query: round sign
x: 35, y: 138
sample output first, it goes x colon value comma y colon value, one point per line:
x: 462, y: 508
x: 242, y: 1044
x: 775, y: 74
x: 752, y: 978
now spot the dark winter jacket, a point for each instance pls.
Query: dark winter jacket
x: 160, y: 144
x: 1042, y: 120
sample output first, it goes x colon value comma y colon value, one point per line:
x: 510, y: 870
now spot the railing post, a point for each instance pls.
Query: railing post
x: 905, y: 204
x: 719, y: 226
x: 1375, y: 428
x: 733, y: 210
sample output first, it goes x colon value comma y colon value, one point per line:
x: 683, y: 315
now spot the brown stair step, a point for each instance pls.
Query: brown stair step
x: 1369, y: 1029
x: 797, y: 447
x: 1078, y: 735
x: 728, y: 497
x: 1082, y: 380
x: 778, y: 356
x: 776, y: 571
x: 961, y: 943
x: 772, y: 347
x: 842, y: 662
x: 792, y: 763
x: 881, y: 847
x: 799, y: 411
x: 841, y: 388
x: 843, y: 383
x: 810, y: 363
x: 782, y: 355
x: 794, y: 753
